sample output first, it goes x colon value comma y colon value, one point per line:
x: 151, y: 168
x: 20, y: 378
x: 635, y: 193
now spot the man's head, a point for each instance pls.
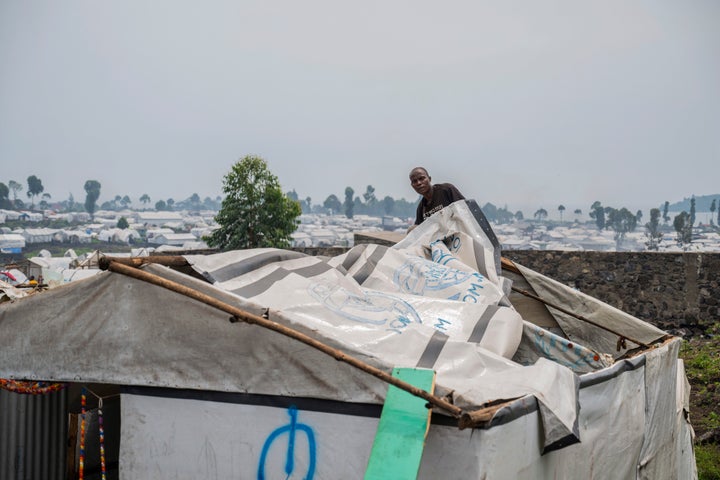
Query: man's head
x: 420, y: 181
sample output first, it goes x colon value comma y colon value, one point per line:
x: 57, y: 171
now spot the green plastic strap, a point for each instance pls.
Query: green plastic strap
x: 404, y: 423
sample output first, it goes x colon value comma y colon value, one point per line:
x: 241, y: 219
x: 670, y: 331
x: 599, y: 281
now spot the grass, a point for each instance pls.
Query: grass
x: 702, y: 366
x: 708, y: 461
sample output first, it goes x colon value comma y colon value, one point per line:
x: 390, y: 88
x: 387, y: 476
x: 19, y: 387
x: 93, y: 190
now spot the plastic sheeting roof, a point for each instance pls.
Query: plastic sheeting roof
x: 437, y: 300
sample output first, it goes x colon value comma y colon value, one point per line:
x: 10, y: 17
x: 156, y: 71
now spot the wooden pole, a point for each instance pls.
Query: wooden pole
x: 240, y: 314
x: 509, y: 265
x: 167, y: 260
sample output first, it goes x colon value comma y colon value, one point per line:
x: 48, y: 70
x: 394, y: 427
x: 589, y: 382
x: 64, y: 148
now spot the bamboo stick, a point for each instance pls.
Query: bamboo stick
x: 509, y: 265
x: 167, y: 260
x: 118, y: 267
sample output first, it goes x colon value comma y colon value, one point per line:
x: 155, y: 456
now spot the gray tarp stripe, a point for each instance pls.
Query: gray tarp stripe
x: 370, y: 264
x: 261, y: 285
x: 622, y: 366
x: 372, y: 410
x: 353, y: 255
x: 485, y: 225
x: 312, y: 270
x: 242, y: 267
x: 482, y: 324
x: 266, y: 400
x: 432, y: 350
x: 256, y: 288
x: 480, y: 257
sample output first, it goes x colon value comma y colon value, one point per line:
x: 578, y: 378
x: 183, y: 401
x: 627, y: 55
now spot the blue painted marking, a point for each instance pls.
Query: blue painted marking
x: 550, y: 346
x: 372, y: 307
x: 441, y: 324
x: 291, y: 429
x: 472, y: 293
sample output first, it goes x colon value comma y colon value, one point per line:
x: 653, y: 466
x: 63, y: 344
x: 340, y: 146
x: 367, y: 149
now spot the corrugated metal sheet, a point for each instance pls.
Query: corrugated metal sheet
x: 33, y: 435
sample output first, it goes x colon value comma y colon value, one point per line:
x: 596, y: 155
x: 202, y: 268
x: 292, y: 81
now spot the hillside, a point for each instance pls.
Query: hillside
x: 702, y: 203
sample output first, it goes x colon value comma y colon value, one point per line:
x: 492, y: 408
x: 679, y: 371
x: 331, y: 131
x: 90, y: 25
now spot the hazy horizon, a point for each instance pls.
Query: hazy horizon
x: 528, y: 210
x: 526, y: 106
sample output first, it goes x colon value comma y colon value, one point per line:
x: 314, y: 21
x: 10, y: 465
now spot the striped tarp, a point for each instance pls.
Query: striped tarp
x: 435, y: 300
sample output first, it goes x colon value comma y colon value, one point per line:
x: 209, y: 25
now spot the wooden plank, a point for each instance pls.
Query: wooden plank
x: 404, y: 423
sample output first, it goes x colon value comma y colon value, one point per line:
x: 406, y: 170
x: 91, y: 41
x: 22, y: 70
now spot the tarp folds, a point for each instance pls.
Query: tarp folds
x: 436, y: 300
x: 581, y: 304
x: 118, y: 330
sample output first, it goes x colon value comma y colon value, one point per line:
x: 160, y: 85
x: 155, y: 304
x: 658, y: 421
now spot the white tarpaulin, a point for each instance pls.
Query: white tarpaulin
x: 437, y: 300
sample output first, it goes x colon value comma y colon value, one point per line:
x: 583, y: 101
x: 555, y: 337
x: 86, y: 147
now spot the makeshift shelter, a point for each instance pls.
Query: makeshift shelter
x: 266, y: 363
x: 11, y: 243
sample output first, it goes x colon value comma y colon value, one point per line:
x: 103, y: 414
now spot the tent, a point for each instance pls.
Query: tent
x: 246, y: 363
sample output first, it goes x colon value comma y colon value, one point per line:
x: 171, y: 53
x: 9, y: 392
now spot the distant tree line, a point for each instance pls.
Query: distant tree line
x: 10, y: 200
x: 620, y: 220
x: 367, y: 204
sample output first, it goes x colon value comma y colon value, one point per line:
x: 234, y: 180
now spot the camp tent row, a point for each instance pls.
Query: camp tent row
x: 560, y: 384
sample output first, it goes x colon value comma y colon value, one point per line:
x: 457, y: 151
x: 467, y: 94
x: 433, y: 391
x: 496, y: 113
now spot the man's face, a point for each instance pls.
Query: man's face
x: 420, y: 181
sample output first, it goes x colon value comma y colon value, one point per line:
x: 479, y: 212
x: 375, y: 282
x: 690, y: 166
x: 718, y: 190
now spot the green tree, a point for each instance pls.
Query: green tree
x: 332, y: 204
x: 35, y: 188
x: 388, y: 204
x: 292, y: 195
x: 195, y: 202
x: 713, y: 206
x: 692, y: 212
x: 209, y: 204
x: 561, y: 209
x: 349, y: 203
x: 255, y: 212
x: 44, y: 202
x: 125, y: 201
x: 519, y: 215
x: 169, y: 204
x: 577, y: 213
x: 14, y: 187
x: 621, y: 222
x: 70, y: 205
x: 490, y: 211
x: 4, y: 196
x: 369, y: 196
x: 652, y: 230
x: 665, y: 216
x: 92, y: 193
x: 504, y: 215
x: 359, y: 206
x: 597, y: 213
x: 122, y: 223
x: 540, y: 214
x: 683, y: 227
x: 161, y: 206
x: 145, y: 199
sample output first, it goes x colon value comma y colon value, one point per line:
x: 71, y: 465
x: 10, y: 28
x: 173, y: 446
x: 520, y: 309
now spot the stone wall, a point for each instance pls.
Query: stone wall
x: 677, y: 292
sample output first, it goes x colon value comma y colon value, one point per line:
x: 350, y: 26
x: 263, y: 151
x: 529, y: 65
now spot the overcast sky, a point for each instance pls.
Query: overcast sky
x: 523, y: 104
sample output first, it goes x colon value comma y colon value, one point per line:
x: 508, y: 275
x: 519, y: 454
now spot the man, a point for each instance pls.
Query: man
x: 435, y: 197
